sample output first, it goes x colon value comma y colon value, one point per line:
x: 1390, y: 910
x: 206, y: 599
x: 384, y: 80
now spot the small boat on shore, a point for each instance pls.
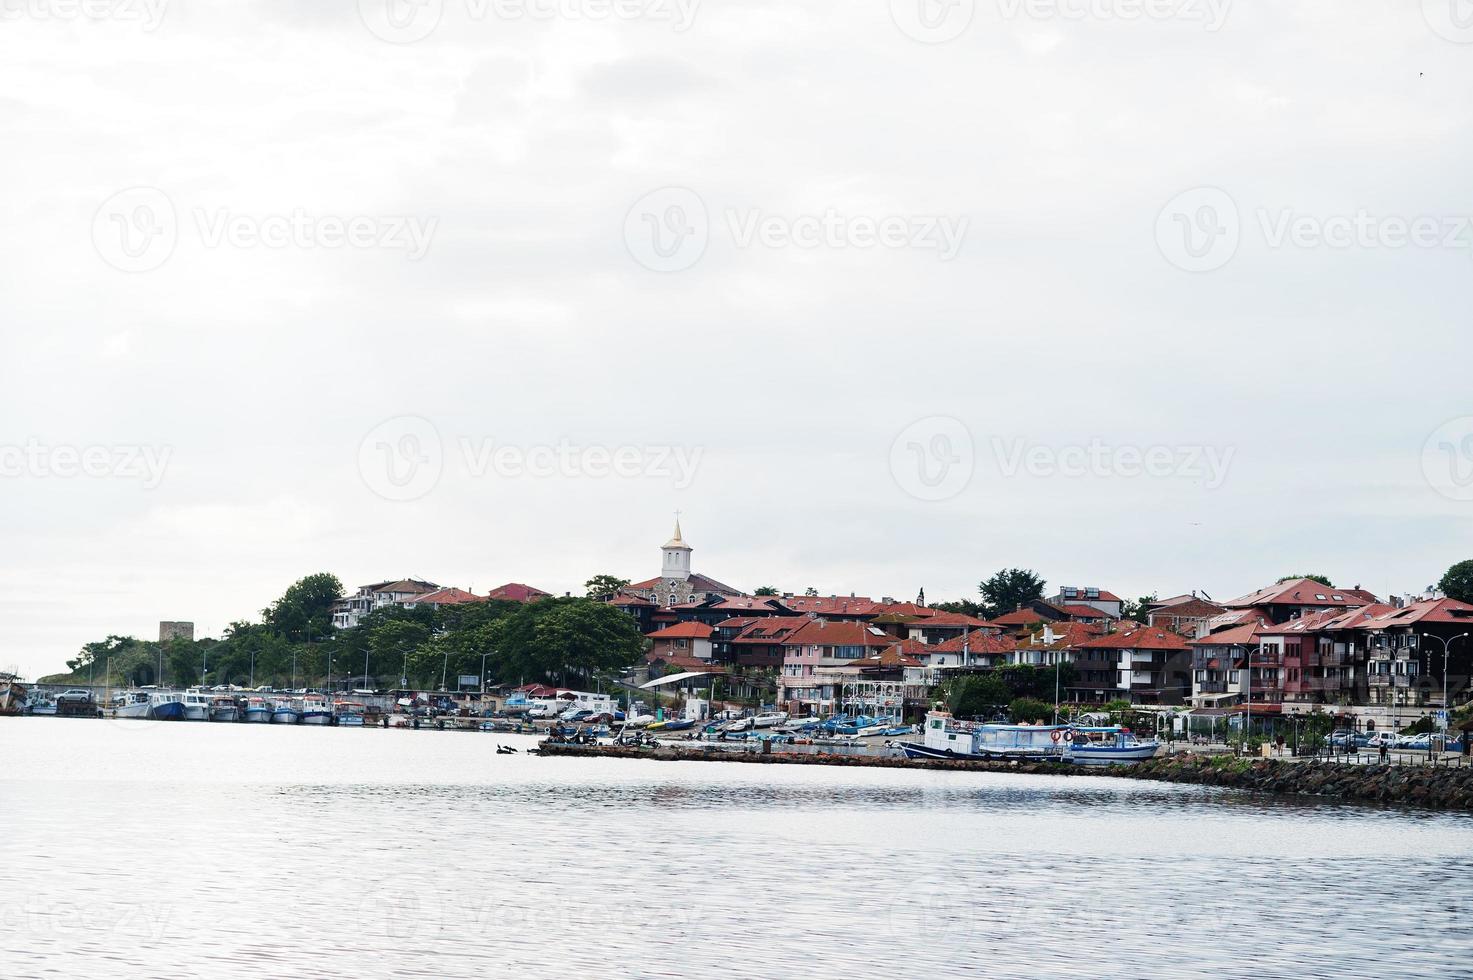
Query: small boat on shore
x: 769, y: 719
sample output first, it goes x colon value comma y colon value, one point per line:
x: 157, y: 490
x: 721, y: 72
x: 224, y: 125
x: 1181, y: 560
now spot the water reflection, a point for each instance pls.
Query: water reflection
x: 427, y: 856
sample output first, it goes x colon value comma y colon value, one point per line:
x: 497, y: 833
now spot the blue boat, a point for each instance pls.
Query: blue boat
x: 679, y: 726
x: 947, y: 738
x: 898, y: 731
x: 166, y: 707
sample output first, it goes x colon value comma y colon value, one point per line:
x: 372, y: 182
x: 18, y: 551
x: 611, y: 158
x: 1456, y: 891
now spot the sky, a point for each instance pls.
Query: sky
x: 880, y: 295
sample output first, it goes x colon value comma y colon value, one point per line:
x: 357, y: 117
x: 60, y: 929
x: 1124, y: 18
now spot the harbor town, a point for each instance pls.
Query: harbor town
x: 1297, y: 669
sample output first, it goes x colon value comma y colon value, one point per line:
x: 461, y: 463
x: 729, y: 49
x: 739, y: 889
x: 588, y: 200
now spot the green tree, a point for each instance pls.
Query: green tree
x: 1029, y: 710
x: 1137, y: 610
x: 766, y: 590
x: 306, y: 603
x: 977, y: 696
x: 1322, y: 579
x: 604, y: 587
x: 1458, y: 582
x: 551, y: 639
x: 810, y: 591
x: 1011, y: 588
x: 964, y: 606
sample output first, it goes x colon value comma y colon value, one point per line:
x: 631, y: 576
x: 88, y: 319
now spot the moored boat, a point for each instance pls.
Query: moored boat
x: 258, y: 711
x: 316, y: 710
x: 131, y: 704
x: 1108, y: 746
x: 224, y: 709
x: 948, y: 738
x: 165, y: 706
x: 197, y: 705
x: 284, y: 712
x: 348, y: 713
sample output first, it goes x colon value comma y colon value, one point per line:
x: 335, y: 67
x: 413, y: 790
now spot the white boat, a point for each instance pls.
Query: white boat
x: 1108, y: 746
x: 769, y: 719
x: 284, y: 712
x: 197, y: 705
x: 131, y: 704
x: 316, y: 710
x: 947, y: 738
x: 639, y: 721
x: 258, y: 711
x: 739, y: 725
x: 41, y: 706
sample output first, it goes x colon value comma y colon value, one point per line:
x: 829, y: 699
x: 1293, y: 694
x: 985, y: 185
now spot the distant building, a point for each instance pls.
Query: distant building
x: 517, y: 592
x: 676, y: 583
x: 1106, y: 602
x: 349, y: 612
x: 176, y: 631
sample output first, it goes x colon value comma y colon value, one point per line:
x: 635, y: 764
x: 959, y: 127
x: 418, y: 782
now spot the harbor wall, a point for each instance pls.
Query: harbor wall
x: 1445, y: 787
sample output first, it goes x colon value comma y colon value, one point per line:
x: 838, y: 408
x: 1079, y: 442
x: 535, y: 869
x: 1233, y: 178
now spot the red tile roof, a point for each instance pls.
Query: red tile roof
x: 1233, y: 636
x: 1019, y: 617
x: 683, y: 631
x: 698, y: 583
x: 1141, y: 638
x: 1302, y: 592
x: 818, y: 632
x: 977, y: 641
x: 1426, y: 611
x: 446, y: 597
x: 517, y: 592
x: 1066, y: 635
x: 831, y: 605
x: 1088, y: 612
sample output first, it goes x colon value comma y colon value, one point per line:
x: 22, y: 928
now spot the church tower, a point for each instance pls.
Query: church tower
x: 676, y: 554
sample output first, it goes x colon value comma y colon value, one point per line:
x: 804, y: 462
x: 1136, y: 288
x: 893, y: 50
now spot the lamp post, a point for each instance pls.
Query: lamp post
x: 483, y: 674
x: 1445, y: 643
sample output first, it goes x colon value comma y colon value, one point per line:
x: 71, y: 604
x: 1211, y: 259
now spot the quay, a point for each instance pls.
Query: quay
x: 1442, y: 787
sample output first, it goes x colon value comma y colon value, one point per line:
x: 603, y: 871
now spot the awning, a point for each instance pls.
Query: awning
x: 674, y: 679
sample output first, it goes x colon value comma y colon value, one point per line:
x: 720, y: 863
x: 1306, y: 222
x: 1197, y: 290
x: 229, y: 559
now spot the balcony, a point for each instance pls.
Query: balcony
x: 1211, y: 687
x: 1396, y: 681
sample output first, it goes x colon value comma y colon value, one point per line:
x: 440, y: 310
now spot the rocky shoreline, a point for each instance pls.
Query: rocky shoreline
x: 1445, y: 787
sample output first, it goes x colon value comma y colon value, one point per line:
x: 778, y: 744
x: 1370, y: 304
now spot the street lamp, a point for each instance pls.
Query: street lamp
x: 1445, y: 643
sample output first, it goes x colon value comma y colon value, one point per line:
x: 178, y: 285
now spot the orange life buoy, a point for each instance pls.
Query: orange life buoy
x: 1056, y: 735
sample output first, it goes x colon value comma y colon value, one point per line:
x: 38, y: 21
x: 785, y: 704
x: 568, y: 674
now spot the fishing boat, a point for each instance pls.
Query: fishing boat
x: 41, y: 706
x: 12, y: 697
x: 948, y: 738
x: 224, y: 709
x: 517, y: 703
x: 284, y: 712
x: 862, y: 726
x: 258, y: 711
x: 197, y: 705
x: 1108, y: 746
x: 131, y: 704
x: 348, y: 713
x: 166, y: 706
x: 315, y: 710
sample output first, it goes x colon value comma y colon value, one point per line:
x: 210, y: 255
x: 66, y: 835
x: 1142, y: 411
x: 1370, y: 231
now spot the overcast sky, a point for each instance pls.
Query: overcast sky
x: 1151, y: 296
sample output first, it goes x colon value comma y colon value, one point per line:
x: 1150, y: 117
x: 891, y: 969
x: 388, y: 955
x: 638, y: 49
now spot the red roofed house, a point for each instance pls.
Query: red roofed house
x: 1298, y: 597
x: 1106, y: 602
x: 442, y: 597
x: 1151, y: 665
x: 1184, y: 614
x: 683, y: 641
x: 349, y: 611
x: 888, y: 684
x: 819, y: 643
x: 1399, y: 646
x: 517, y: 592
x: 1217, y: 667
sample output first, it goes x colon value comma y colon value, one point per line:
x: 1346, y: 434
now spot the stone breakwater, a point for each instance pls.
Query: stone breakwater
x: 1446, y: 787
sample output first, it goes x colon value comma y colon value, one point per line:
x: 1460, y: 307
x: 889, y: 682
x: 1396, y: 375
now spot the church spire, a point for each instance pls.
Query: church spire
x: 678, y: 541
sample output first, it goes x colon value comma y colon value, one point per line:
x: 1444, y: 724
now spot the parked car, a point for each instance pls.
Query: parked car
x: 73, y: 695
x: 1379, y: 739
x: 1345, y: 739
x: 1422, y: 741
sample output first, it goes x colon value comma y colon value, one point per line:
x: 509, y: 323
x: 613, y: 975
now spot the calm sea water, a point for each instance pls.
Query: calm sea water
x: 133, y: 849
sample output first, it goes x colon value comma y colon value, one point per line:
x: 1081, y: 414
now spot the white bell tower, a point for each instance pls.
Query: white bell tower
x: 676, y: 556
